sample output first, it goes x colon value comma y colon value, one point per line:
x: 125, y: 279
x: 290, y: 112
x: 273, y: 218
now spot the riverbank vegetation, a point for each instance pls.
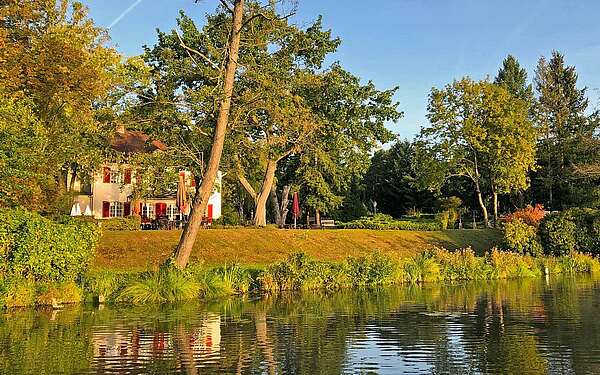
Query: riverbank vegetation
x: 168, y: 284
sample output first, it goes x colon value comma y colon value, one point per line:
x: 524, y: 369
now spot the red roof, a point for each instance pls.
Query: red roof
x: 131, y: 142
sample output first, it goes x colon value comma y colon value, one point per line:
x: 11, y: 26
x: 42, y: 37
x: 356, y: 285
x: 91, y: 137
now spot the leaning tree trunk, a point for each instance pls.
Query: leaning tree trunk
x: 260, y: 212
x: 188, y: 237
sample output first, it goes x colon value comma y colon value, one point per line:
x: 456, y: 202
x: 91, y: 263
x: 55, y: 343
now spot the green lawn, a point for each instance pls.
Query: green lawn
x: 138, y: 250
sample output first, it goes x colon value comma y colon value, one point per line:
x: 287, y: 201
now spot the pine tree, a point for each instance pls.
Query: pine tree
x: 560, y: 114
x: 514, y: 79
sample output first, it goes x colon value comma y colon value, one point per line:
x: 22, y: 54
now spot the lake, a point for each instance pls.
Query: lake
x: 532, y: 326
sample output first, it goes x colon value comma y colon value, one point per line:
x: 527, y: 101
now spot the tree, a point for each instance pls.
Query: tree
x: 565, y: 129
x: 55, y: 58
x: 354, y: 117
x: 513, y: 78
x: 390, y: 181
x: 200, y: 202
x: 477, y: 130
x: 271, y: 91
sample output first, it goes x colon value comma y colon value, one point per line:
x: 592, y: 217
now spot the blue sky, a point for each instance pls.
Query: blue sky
x: 413, y: 44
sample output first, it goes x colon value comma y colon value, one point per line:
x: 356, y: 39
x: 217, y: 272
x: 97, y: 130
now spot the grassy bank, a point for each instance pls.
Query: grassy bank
x: 141, y: 250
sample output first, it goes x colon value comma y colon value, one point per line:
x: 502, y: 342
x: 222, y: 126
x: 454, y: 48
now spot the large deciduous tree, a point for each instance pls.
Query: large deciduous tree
x: 54, y: 59
x: 480, y: 131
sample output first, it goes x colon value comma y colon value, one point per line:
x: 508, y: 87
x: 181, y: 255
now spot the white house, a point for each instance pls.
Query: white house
x: 109, y: 194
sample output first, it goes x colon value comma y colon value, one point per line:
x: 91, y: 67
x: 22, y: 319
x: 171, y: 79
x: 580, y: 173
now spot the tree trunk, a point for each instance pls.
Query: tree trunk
x: 486, y: 221
x: 275, y: 204
x: 188, y: 237
x: 495, y: 196
x: 260, y: 212
x: 318, y: 218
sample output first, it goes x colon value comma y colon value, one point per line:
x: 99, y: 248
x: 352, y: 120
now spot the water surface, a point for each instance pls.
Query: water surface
x: 532, y: 326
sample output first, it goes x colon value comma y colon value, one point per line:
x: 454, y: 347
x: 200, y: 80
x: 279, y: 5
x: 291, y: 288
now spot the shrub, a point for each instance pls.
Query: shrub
x: 38, y: 248
x: 571, y: 230
x: 133, y: 222
x: 521, y: 238
x: 443, y: 218
x: 557, y: 234
x: 461, y: 264
x: 67, y: 292
x: 18, y: 293
x: 386, y: 222
x: 529, y: 215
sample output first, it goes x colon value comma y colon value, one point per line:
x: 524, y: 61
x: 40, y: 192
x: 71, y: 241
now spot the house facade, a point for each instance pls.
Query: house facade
x: 110, y: 192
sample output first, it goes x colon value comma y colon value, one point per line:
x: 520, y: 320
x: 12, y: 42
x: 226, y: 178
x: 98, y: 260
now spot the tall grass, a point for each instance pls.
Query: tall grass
x: 298, y: 272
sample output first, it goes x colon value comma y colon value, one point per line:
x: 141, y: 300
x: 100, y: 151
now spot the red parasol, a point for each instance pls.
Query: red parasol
x: 295, y: 208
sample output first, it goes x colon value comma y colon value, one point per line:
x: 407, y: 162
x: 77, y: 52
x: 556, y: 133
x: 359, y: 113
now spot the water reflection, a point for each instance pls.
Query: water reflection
x: 527, y: 326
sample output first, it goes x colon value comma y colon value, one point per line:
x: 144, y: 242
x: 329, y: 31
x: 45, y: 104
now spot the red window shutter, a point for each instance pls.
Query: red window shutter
x: 210, y: 213
x: 127, y: 209
x: 105, y: 209
x: 106, y: 175
x: 128, y: 176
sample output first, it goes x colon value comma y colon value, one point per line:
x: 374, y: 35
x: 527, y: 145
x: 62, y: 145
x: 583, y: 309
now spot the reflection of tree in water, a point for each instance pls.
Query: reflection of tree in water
x: 512, y: 327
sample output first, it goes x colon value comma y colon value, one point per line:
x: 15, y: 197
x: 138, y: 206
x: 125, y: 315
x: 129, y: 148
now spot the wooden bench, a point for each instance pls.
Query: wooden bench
x: 328, y: 224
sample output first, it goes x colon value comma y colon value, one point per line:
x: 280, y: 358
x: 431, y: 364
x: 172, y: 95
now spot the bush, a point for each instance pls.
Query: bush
x: 521, y: 238
x: 386, y: 222
x: 529, y: 215
x: 133, y: 222
x: 38, y: 248
x: 571, y: 230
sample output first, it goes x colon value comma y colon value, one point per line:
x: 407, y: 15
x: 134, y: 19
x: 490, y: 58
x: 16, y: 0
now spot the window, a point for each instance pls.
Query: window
x: 116, y: 177
x: 148, y: 210
x: 172, y: 211
x: 117, y: 209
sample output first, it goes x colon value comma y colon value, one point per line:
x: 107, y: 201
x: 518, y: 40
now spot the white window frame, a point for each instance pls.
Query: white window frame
x: 172, y: 211
x: 148, y: 210
x: 116, y: 176
x: 117, y: 209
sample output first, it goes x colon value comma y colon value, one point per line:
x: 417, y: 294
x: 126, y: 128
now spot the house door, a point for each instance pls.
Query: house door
x: 161, y: 209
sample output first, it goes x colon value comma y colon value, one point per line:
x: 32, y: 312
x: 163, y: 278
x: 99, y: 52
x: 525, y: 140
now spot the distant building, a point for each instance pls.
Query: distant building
x: 109, y: 195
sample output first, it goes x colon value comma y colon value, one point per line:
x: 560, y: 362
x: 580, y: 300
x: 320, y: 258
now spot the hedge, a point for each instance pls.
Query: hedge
x: 386, y: 222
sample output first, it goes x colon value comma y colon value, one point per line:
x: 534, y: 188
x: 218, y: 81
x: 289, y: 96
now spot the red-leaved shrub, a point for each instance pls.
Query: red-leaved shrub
x: 529, y: 215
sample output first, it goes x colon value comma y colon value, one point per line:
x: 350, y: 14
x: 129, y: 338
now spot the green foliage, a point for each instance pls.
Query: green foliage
x: 38, y: 248
x: 390, y: 181
x: 521, y: 238
x: 386, y: 222
x: 165, y: 285
x: 133, y: 222
x: 571, y: 230
x: 422, y: 268
x: 557, y: 234
x: 568, y: 136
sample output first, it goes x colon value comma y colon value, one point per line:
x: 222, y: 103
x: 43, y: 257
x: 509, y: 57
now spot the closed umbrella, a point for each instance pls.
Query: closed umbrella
x: 182, y: 204
x: 76, y: 209
x: 295, y: 208
x: 88, y: 211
